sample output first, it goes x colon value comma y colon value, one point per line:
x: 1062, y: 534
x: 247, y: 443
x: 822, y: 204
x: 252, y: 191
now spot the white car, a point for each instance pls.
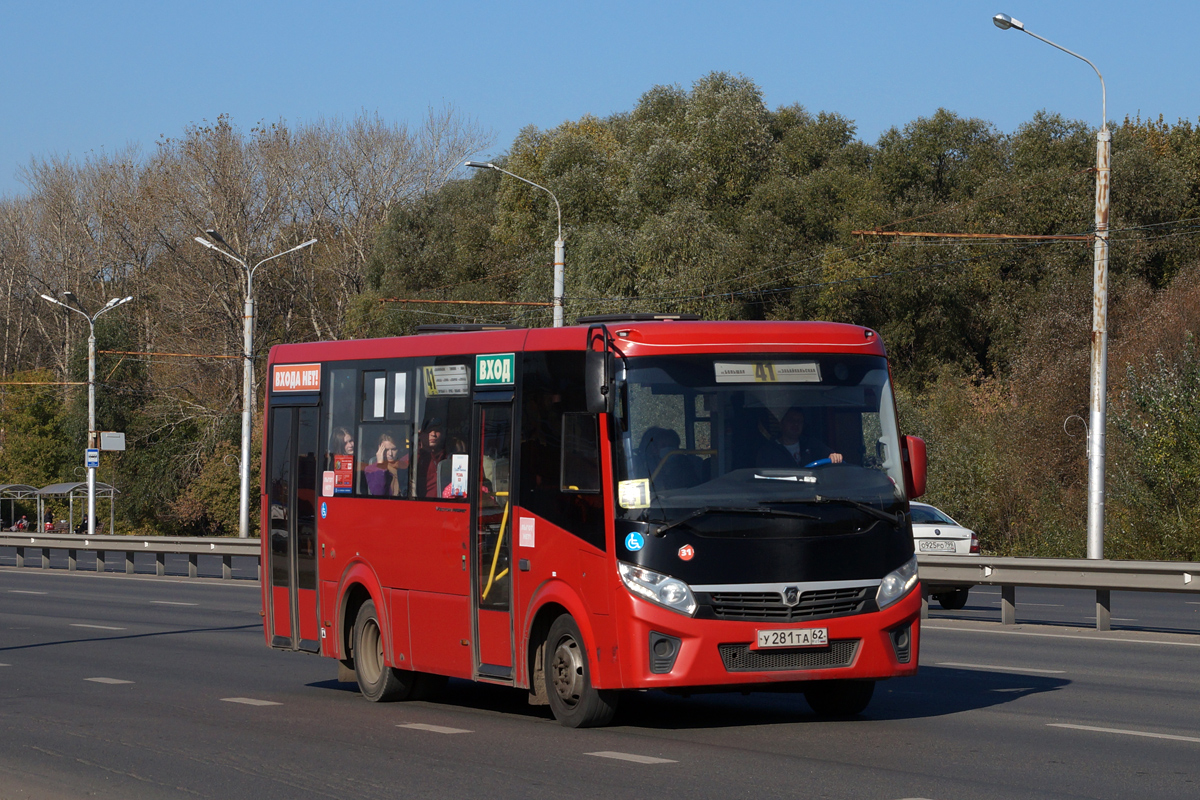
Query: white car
x: 935, y: 532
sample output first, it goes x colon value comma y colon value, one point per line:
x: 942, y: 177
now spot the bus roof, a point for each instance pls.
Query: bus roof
x: 632, y: 338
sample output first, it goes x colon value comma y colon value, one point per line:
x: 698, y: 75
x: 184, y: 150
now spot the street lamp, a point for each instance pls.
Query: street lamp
x: 1099, y: 371
x: 558, y: 243
x: 247, y: 363
x: 109, y: 306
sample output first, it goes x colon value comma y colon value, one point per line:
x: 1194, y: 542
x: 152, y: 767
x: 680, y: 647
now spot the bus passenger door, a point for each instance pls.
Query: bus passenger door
x: 491, y: 491
x: 291, y: 501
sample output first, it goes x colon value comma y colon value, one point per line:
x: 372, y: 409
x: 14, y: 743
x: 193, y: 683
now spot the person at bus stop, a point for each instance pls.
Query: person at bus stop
x: 81, y: 528
x: 431, y: 451
x: 49, y: 520
x: 387, y: 474
x: 794, y: 448
x: 21, y: 524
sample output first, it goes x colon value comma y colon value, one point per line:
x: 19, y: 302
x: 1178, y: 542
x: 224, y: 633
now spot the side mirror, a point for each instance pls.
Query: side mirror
x: 914, y: 466
x: 598, y: 371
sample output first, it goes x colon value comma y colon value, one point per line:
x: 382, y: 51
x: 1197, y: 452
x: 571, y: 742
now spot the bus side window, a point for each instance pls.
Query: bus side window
x: 341, y: 452
x: 444, y: 410
x: 552, y: 391
x: 580, y: 454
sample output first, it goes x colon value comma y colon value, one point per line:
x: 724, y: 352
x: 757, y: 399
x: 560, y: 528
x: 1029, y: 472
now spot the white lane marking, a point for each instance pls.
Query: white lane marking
x: 96, y: 627
x: 1060, y: 636
x: 250, y: 701
x: 171, y: 603
x: 420, y: 726
x: 632, y: 757
x: 1002, y: 669
x: 5, y: 665
x: 1124, y: 732
x: 110, y: 681
x: 24, y: 591
x: 1043, y: 605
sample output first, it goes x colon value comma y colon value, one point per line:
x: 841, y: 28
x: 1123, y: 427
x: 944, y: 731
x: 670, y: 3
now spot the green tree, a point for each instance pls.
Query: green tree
x: 33, y: 447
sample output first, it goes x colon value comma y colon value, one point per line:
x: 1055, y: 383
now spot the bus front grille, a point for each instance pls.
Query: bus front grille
x: 740, y: 658
x: 769, y: 606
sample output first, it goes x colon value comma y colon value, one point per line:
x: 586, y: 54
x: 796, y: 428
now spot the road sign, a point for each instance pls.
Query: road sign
x: 112, y: 440
x: 92, y: 458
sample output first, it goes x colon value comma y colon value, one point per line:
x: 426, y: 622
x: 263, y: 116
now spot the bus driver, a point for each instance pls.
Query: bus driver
x: 793, y: 448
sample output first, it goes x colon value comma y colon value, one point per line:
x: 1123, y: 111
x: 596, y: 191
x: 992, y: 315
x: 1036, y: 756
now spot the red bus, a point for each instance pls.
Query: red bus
x: 637, y: 502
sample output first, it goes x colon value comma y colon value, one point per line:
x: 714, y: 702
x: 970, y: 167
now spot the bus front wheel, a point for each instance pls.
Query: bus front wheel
x: 839, y: 698
x: 573, y: 699
x: 378, y: 682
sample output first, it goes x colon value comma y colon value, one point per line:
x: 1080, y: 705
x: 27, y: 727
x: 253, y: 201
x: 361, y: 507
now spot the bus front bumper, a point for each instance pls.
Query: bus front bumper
x: 661, y: 649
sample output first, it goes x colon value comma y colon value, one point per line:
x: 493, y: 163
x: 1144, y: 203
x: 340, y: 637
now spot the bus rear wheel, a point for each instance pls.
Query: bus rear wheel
x: 839, y: 698
x: 378, y: 682
x: 573, y: 699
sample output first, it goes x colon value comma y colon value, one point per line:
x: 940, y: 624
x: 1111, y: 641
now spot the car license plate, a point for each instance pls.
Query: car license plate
x: 792, y: 637
x: 935, y: 546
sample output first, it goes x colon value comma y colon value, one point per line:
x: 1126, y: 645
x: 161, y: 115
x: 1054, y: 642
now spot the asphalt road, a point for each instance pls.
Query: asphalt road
x: 140, y: 687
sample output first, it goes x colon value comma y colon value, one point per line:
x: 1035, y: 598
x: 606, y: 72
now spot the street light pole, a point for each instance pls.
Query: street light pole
x: 247, y: 365
x: 91, y: 384
x: 559, y: 258
x: 1099, y: 370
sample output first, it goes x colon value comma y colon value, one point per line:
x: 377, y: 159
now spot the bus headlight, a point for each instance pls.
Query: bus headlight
x: 663, y: 590
x: 897, y: 583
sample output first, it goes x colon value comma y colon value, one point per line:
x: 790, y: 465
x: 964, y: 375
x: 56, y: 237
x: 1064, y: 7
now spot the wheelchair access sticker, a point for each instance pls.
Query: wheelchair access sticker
x: 634, y: 541
x: 324, y: 510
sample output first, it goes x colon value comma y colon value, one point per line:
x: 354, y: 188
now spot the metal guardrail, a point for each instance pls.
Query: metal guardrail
x: 160, y: 546
x: 936, y: 571
x: 1101, y: 575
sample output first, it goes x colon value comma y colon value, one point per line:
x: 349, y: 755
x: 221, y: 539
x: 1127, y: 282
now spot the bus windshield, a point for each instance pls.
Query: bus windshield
x: 761, y: 433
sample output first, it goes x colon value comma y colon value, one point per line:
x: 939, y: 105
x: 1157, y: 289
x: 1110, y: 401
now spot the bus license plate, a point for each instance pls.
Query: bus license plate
x: 793, y: 637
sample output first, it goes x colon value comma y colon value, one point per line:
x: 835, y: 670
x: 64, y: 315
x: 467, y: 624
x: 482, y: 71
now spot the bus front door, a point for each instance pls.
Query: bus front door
x: 491, y: 490
x: 291, y: 502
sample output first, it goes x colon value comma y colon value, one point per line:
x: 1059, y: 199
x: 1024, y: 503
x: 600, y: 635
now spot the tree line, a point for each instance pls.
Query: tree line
x: 698, y: 199
x: 123, y: 224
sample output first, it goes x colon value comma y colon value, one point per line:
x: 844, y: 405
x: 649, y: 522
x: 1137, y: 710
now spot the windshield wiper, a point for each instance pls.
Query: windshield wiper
x: 895, y: 519
x: 705, y: 510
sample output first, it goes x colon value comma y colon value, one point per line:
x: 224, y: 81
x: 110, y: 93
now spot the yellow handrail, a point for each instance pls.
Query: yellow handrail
x: 496, y: 554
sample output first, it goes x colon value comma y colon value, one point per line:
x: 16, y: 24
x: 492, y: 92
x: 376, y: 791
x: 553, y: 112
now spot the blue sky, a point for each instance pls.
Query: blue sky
x: 83, y: 77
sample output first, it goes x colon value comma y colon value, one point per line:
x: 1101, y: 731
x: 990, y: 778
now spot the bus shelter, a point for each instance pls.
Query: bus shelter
x: 78, y: 491
x: 12, y: 492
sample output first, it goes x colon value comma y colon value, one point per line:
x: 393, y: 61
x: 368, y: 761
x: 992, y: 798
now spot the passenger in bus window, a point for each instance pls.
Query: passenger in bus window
x: 794, y: 448
x: 430, y: 453
x: 387, y: 474
x: 341, y: 442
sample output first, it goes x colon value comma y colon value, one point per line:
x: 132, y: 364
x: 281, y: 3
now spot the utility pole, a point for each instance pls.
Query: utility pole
x: 1099, y: 372
x: 559, y: 259
x: 247, y: 365
x: 92, y: 443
